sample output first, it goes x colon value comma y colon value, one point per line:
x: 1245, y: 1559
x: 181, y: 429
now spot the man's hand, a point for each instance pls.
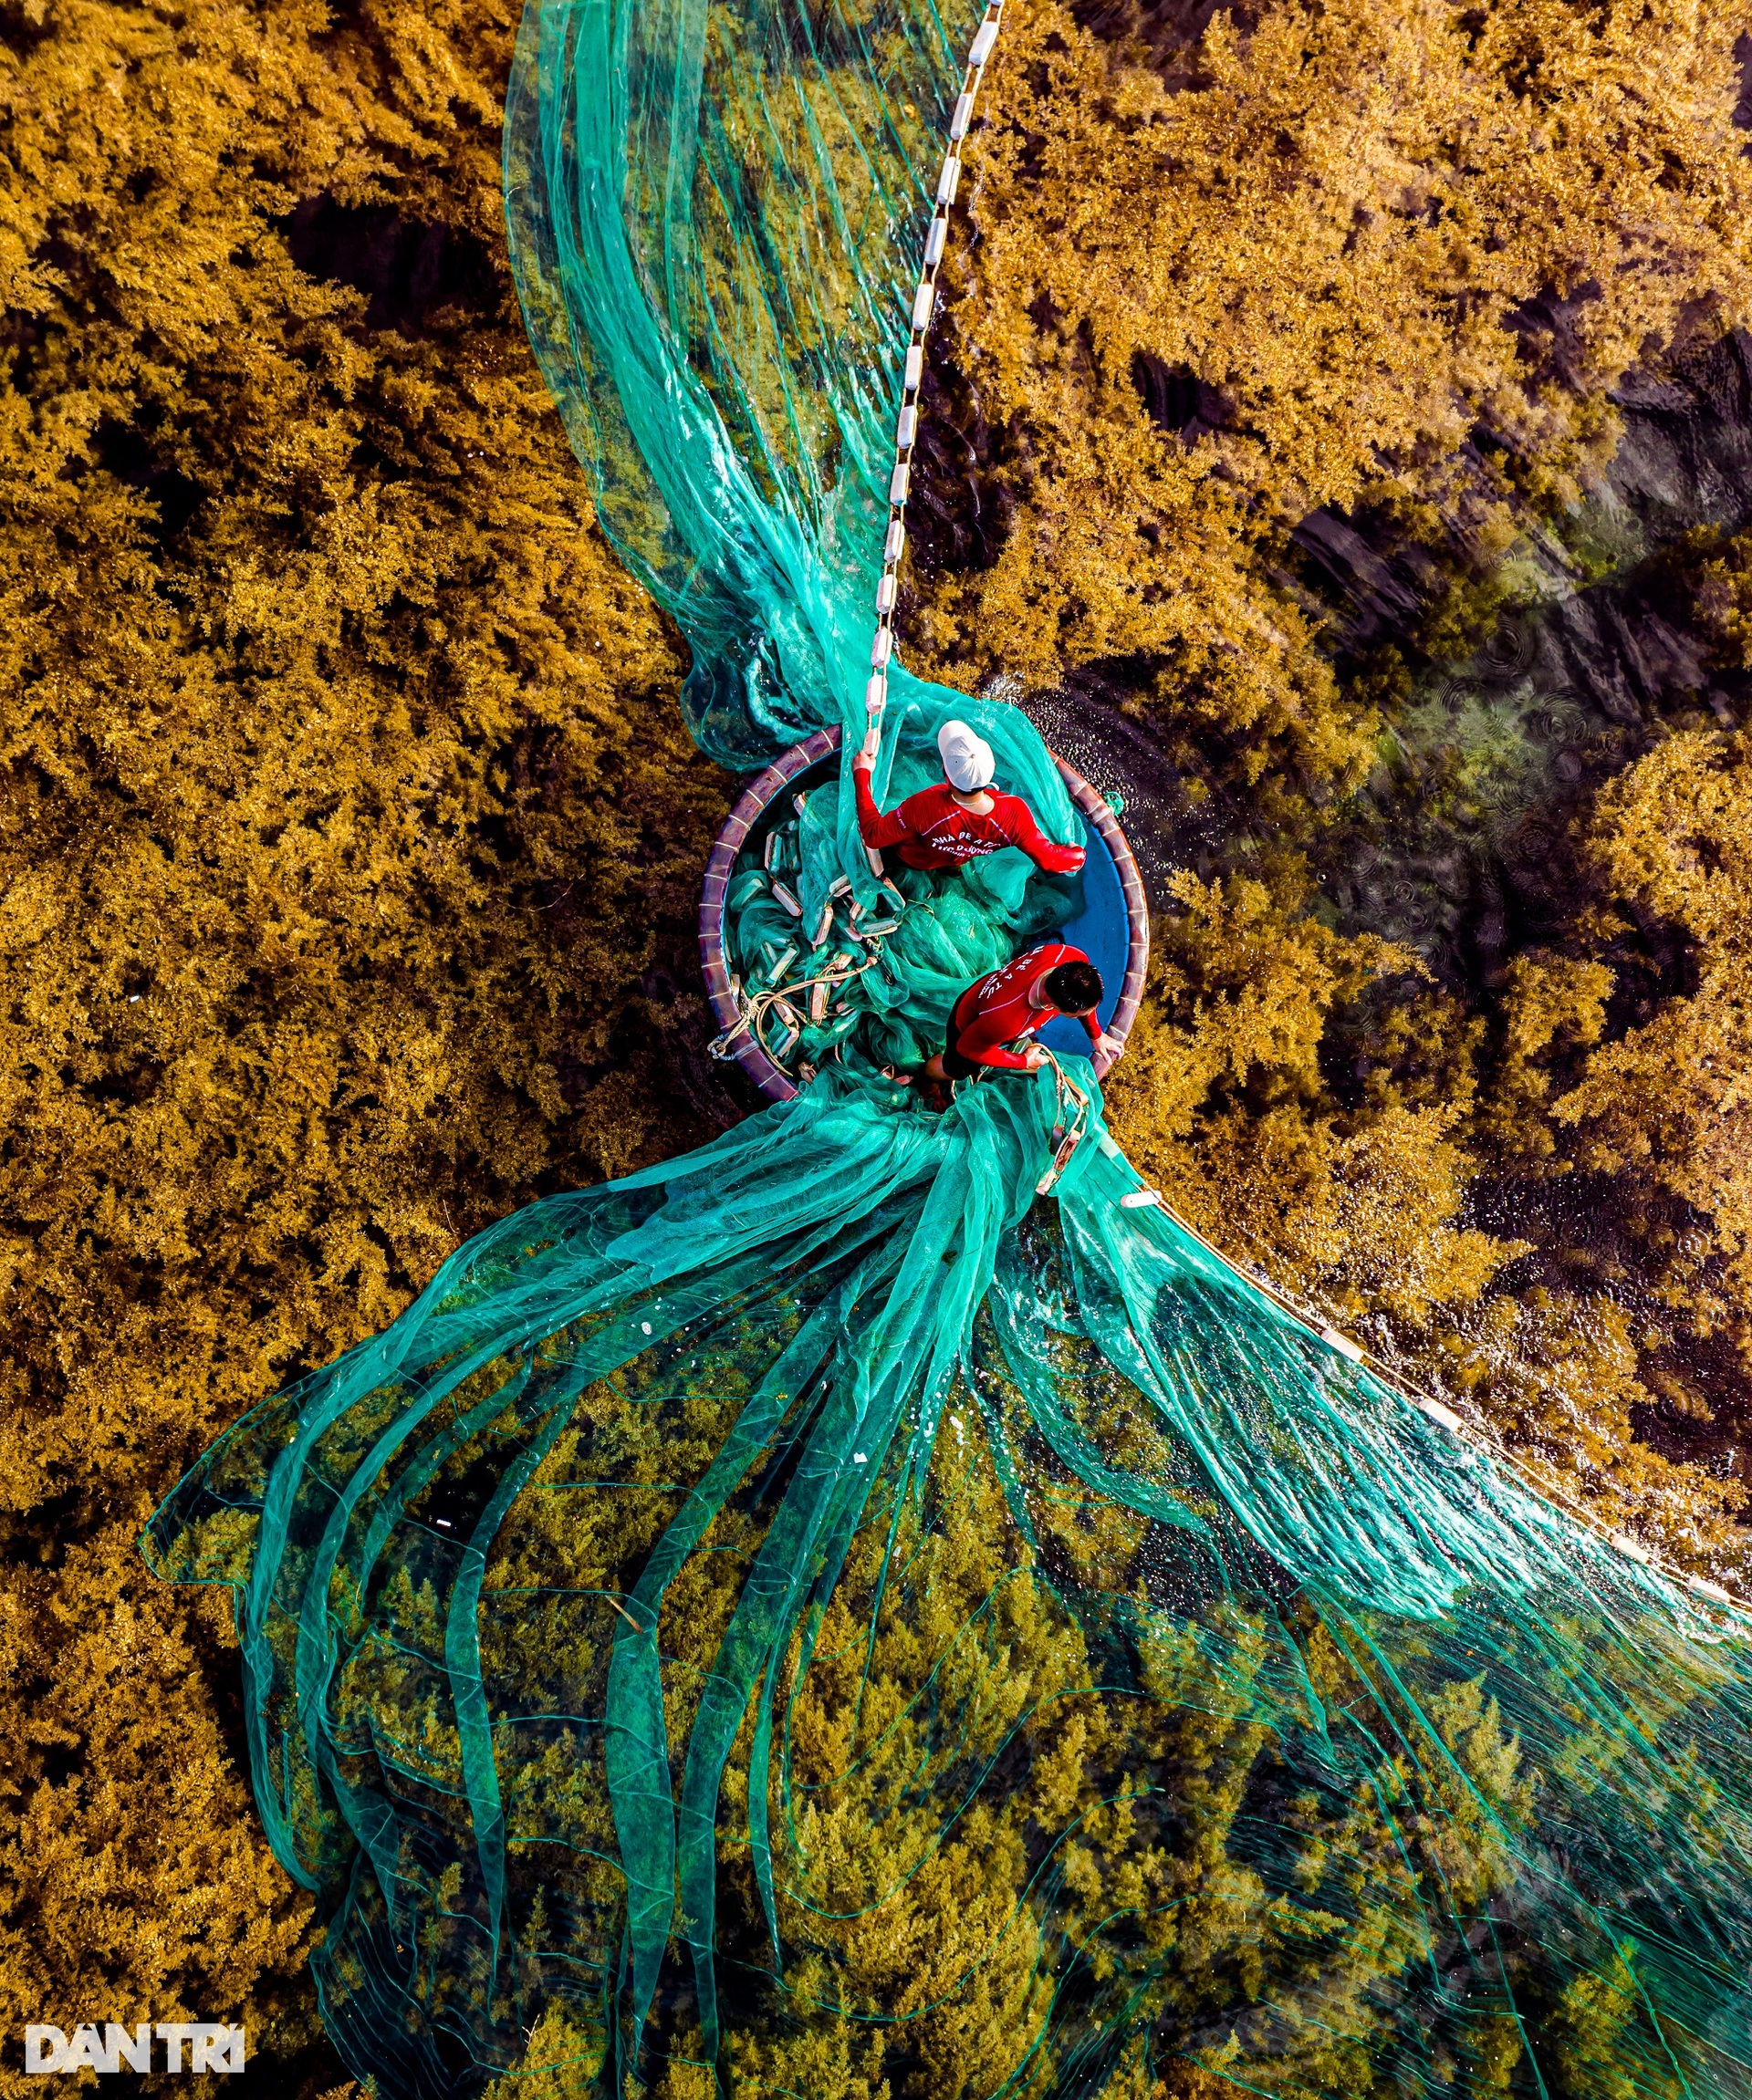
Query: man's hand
x: 1112, y: 1044
x: 1034, y: 1057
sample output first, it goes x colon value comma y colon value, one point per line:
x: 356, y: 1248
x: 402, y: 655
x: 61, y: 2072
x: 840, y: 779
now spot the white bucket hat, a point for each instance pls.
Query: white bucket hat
x: 967, y: 758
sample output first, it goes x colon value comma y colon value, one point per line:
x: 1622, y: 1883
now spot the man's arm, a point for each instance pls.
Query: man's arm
x: 1092, y: 1023
x: 1019, y: 822
x: 981, y: 1044
x: 874, y: 828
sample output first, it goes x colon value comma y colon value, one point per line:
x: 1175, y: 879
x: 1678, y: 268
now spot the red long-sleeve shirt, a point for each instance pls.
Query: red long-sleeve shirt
x: 996, y: 1011
x: 933, y: 830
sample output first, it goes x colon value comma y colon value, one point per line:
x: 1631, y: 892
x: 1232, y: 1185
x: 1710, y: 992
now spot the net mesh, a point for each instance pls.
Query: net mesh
x: 815, y: 1615
x: 871, y: 987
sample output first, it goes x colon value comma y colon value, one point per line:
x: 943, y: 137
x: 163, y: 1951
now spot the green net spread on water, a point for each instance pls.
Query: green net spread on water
x: 815, y: 1617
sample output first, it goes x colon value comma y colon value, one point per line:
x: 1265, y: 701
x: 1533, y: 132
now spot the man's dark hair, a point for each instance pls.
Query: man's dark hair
x: 1074, y: 987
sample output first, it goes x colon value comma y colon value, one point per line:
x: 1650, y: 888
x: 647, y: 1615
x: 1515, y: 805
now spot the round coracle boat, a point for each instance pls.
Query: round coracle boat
x: 1110, y: 923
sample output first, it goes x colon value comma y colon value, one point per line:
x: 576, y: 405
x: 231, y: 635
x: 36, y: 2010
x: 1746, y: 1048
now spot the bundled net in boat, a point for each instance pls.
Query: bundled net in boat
x: 820, y: 1617
x: 870, y: 984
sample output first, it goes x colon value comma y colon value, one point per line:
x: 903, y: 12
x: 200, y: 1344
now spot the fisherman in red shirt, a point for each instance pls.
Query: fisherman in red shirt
x: 961, y: 817
x: 1001, y: 1009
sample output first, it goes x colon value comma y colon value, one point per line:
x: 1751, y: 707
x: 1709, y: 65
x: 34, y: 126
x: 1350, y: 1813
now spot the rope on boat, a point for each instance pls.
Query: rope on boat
x: 756, y: 1007
x: 774, y: 1000
x: 1071, y: 1126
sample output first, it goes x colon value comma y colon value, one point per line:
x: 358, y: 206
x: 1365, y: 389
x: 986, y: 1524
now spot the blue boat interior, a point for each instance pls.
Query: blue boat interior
x: 1102, y: 929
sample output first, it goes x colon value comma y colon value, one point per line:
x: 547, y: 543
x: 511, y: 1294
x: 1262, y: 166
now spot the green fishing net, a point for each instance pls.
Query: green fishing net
x: 820, y: 1617
x: 875, y: 985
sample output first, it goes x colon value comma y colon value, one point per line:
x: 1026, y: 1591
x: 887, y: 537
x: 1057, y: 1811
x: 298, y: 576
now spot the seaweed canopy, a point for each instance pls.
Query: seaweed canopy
x: 813, y: 1617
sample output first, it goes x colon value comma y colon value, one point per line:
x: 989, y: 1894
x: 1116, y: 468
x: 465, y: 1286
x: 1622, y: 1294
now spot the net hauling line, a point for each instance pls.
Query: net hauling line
x: 1467, y: 1433
x: 924, y: 300
x: 1067, y: 1138
x: 775, y: 998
